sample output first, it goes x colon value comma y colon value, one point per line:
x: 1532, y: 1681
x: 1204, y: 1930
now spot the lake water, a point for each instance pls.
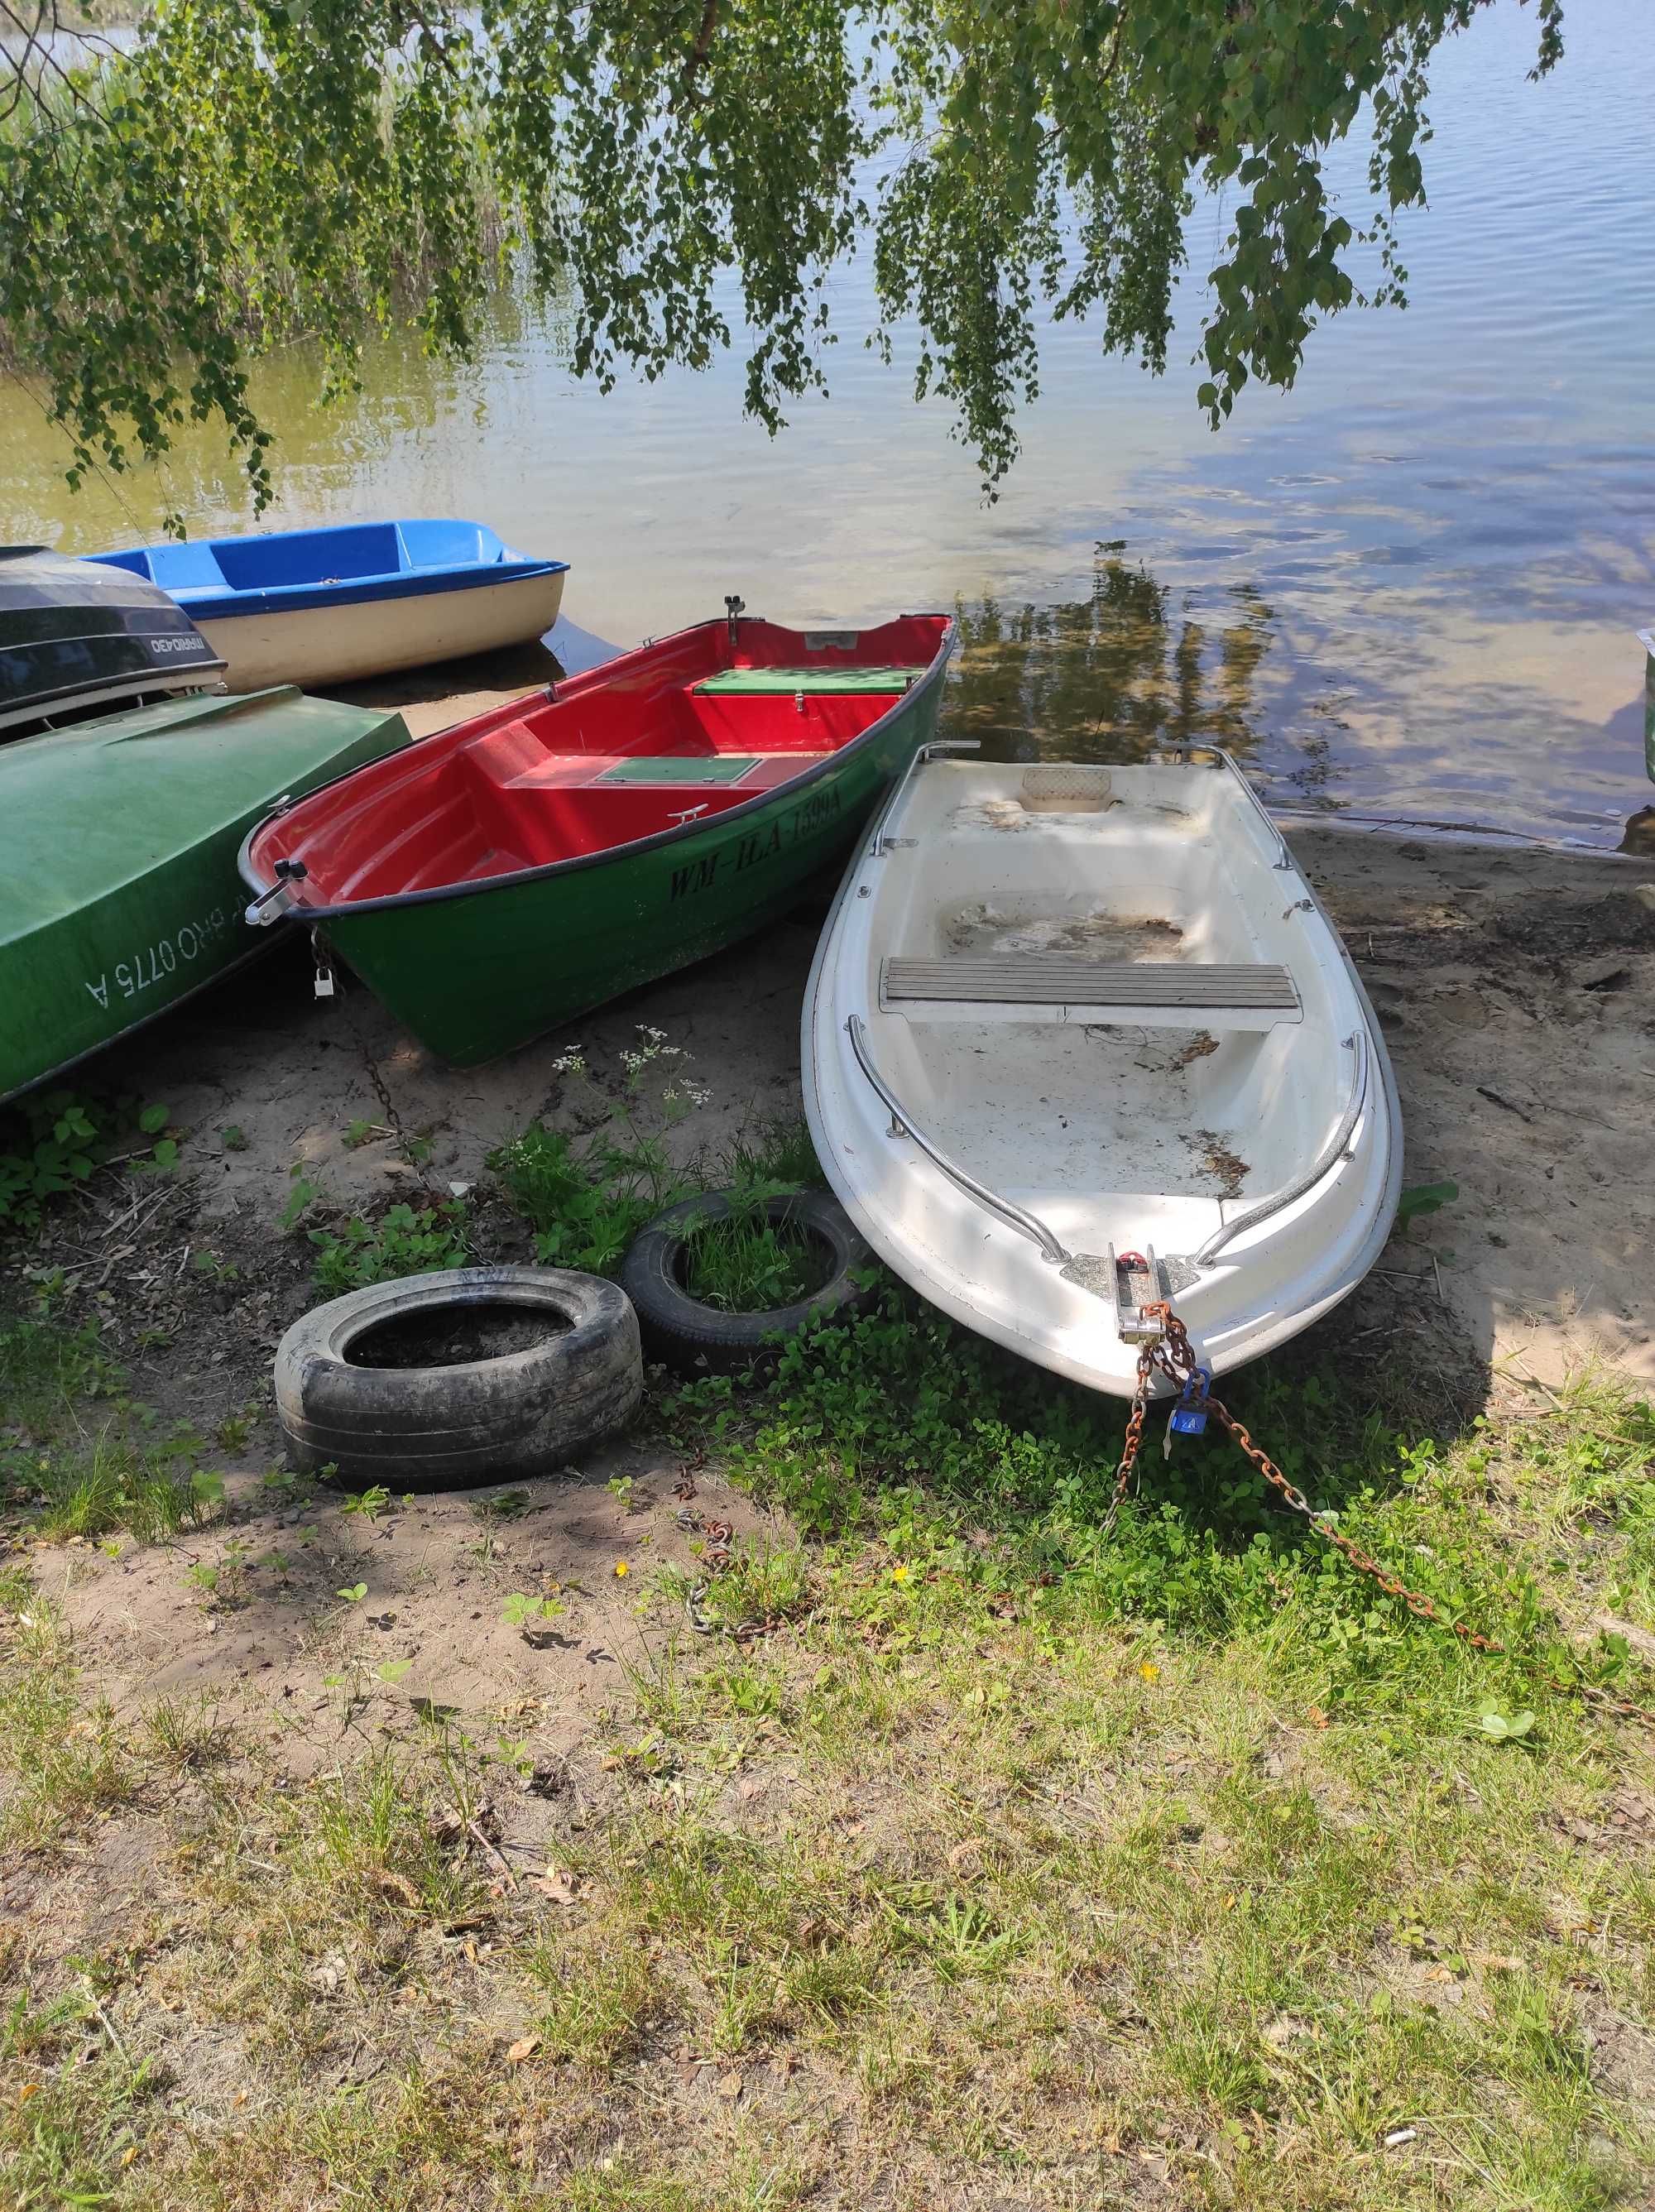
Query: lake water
x: 1407, y: 588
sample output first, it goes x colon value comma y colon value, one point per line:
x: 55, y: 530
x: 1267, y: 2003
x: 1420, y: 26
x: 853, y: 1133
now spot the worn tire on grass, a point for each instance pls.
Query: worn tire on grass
x: 444, y: 1426
x: 694, y: 1339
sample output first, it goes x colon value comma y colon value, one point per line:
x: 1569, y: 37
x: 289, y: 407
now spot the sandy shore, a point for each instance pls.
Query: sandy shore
x: 1516, y: 987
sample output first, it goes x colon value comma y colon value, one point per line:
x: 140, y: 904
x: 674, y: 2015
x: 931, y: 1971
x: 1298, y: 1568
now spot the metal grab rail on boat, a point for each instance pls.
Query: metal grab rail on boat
x: 1325, y: 1161
x: 902, y: 1123
x: 1284, y: 858
x: 937, y: 749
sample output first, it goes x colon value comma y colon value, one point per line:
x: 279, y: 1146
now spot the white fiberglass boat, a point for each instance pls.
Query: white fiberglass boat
x: 1079, y: 1041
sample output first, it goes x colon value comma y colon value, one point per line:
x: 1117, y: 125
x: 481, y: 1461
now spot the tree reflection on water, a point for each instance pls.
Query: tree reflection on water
x: 1109, y: 676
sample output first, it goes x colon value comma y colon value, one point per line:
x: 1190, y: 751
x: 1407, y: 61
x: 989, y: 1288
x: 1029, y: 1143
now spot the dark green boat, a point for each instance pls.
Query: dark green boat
x: 516, y: 871
x: 120, y: 895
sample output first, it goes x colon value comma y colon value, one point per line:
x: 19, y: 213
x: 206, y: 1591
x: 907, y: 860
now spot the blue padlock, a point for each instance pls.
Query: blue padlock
x: 1189, y: 1416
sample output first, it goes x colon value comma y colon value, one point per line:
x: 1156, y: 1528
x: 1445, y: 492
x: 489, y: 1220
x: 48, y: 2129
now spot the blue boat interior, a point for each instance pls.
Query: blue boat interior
x: 354, y: 554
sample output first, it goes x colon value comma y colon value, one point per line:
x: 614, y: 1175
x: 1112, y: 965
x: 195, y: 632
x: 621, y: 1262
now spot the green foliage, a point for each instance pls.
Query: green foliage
x: 402, y: 1242
x: 303, y: 1194
x: 973, y: 1468
x: 369, y: 1504
x: 1423, y: 1197
x: 44, y: 1370
x: 115, y: 1478
x: 521, y: 1610
x: 743, y: 1264
x: 325, y: 167
x: 778, y: 1152
x: 53, y: 1141
x: 73, y: 1480
x: 584, y: 1207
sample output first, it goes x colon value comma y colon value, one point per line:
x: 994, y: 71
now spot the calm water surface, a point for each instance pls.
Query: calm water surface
x: 1407, y: 588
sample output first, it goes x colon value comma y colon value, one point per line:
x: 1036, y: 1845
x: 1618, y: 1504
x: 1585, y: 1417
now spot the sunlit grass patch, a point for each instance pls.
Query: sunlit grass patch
x: 90, y: 1486
x: 745, y: 1263
x: 364, y: 1840
x: 597, y: 1995
x: 64, y: 1762
x: 74, y: 2138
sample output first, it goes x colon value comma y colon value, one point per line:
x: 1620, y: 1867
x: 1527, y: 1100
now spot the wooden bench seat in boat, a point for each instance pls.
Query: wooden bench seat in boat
x: 768, y: 683
x: 1034, y: 987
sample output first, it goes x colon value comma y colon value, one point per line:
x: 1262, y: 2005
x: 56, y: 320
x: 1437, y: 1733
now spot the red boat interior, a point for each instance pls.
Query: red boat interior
x: 662, y: 738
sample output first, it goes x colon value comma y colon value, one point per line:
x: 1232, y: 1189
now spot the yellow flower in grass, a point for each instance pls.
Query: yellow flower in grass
x: 1150, y: 1671
x: 620, y: 1568
x: 900, y: 1574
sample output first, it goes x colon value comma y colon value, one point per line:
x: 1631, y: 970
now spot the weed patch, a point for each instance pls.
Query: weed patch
x: 404, y: 1241
x: 745, y: 1264
x: 53, y: 1142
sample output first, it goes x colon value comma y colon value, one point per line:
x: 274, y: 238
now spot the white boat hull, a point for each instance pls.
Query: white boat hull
x: 1034, y: 1039
x: 315, y: 646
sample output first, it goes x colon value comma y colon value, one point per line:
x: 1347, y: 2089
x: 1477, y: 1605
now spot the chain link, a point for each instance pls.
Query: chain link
x: 1174, y: 1355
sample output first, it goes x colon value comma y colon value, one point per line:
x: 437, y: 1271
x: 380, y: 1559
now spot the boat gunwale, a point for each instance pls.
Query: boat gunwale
x: 209, y: 604
x: 302, y: 909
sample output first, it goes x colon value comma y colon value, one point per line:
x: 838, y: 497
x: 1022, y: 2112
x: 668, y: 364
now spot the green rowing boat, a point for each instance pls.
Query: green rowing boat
x: 120, y: 895
x: 514, y: 872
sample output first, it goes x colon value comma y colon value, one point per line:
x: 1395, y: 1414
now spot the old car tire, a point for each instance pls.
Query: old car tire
x: 475, y: 1420
x: 696, y: 1338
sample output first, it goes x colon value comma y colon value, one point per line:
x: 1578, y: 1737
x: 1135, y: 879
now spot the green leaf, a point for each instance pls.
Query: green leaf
x: 1425, y: 1198
x: 395, y: 1670
x: 355, y: 1594
x: 1502, y: 1729
x: 154, y: 1118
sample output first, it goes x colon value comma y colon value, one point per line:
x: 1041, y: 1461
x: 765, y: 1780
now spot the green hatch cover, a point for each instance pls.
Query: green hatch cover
x: 695, y: 767
x: 752, y: 682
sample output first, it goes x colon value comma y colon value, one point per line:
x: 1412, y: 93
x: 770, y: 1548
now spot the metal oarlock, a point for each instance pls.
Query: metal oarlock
x: 270, y: 906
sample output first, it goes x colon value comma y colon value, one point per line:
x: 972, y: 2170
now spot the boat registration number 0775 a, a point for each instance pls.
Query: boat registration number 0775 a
x: 151, y: 964
x: 754, y: 847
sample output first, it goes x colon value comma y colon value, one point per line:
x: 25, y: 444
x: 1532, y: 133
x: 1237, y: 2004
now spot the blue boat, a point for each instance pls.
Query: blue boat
x: 317, y: 607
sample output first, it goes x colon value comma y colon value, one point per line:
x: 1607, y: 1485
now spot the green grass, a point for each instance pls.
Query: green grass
x: 45, y: 1367
x: 966, y: 1854
x: 743, y: 1264
x: 65, y: 1760
x: 586, y: 1202
x: 82, y: 1462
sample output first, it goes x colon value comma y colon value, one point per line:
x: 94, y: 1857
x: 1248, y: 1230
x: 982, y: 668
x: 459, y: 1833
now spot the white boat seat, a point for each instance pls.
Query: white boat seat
x: 1043, y: 987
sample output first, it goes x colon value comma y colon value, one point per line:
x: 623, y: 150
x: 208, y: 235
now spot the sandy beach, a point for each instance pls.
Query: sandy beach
x: 1515, y: 986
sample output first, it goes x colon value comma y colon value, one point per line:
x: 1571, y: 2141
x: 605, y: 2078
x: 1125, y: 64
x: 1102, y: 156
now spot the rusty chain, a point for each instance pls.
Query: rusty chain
x: 1174, y: 1355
